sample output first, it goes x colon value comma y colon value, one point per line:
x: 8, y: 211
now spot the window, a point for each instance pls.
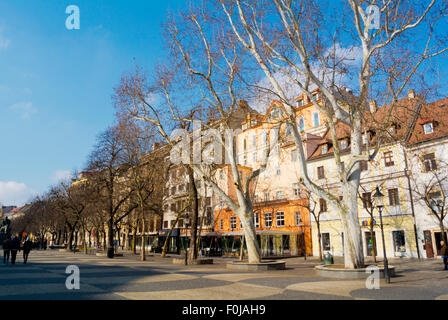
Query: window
x: 233, y: 222
x: 254, y: 141
x: 165, y: 224
x: 326, y: 246
x: 320, y: 172
x: 268, y: 219
x: 264, y: 137
x: 221, y: 224
x: 393, y: 197
x: 241, y: 224
x: 367, y: 200
x: 436, y: 201
x: 324, y: 149
x: 180, y: 224
x: 173, y: 190
x: 316, y: 95
x: 244, y: 145
x: 298, y: 218
x: 428, y: 128
x: 344, y: 144
x: 266, y: 196
x: 296, y: 189
x: 343, y: 165
x: 279, y: 195
x: 429, y: 162
x: 299, y: 103
x: 254, y: 156
x: 280, y: 219
x: 172, y: 223
x: 173, y: 207
x: 399, y: 241
x: 221, y: 174
x: 323, y: 205
x: 364, y: 138
x: 364, y: 165
x: 257, y: 220
x: 279, y: 172
x: 294, y: 155
x: 301, y: 124
x: 388, y: 160
x: 316, y: 119
x: 288, y: 130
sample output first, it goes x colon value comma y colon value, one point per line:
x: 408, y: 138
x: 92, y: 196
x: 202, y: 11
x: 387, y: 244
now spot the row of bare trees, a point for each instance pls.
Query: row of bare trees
x: 121, y: 188
x: 223, y: 51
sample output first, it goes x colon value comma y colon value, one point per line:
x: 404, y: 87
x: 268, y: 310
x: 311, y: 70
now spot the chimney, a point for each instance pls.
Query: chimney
x: 411, y: 94
x: 242, y: 104
x: 306, y: 100
x: 373, y: 106
x: 155, y: 145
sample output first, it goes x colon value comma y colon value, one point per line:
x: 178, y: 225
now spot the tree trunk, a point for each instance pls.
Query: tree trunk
x: 319, y: 239
x: 242, y: 249
x: 142, y: 247
x: 110, y: 242
x: 250, y: 237
x: 134, y: 239
x: 84, y: 240
x: 193, y: 254
x: 373, y: 242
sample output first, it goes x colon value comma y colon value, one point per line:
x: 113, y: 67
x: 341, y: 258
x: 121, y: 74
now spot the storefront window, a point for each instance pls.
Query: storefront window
x: 399, y: 241
x: 326, y: 242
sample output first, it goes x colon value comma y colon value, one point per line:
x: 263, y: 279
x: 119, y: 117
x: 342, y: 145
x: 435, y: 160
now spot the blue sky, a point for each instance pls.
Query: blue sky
x: 56, y: 84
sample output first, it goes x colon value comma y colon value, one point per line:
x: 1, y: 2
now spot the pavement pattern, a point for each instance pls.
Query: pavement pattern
x: 44, y: 277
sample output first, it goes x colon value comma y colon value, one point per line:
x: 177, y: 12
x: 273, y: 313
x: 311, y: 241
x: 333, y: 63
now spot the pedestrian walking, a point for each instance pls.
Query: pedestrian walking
x: 15, y: 246
x: 444, y: 254
x: 27, y: 246
x: 6, y: 250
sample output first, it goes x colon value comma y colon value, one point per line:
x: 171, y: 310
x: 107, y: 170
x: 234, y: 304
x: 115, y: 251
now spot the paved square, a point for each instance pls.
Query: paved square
x: 125, y: 277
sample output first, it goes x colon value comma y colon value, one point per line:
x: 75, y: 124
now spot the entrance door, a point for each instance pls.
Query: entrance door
x: 438, y: 237
x: 428, y: 244
x: 370, y: 243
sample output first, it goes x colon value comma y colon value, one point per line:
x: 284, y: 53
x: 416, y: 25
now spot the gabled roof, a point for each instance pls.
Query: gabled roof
x: 435, y: 112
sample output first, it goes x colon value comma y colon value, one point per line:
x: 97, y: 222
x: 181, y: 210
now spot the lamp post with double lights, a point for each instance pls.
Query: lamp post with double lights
x: 187, y: 225
x: 378, y: 196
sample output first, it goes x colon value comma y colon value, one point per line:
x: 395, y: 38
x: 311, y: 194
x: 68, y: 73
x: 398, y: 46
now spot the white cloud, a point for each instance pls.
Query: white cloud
x: 25, y: 109
x: 4, y: 43
x: 15, y: 193
x: 61, y: 175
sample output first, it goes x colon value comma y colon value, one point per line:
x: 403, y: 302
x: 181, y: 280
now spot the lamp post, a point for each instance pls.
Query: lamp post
x: 378, y: 196
x: 187, y: 224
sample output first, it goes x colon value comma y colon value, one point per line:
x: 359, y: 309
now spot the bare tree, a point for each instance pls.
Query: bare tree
x: 288, y: 40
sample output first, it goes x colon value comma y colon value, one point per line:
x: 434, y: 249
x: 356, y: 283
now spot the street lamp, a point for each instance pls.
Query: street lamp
x: 187, y: 220
x: 378, y: 197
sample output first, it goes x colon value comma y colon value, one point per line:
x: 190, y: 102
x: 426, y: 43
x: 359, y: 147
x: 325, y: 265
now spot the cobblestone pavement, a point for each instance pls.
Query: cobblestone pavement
x: 126, y: 277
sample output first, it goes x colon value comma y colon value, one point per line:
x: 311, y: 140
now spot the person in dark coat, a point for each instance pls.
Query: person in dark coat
x: 444, y: 254
x: 15, y: 246
x: 6, y: 250
x: 27, y: 246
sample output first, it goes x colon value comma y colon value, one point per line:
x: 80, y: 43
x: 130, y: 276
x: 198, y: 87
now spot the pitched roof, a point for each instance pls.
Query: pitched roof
x: 435, y: 112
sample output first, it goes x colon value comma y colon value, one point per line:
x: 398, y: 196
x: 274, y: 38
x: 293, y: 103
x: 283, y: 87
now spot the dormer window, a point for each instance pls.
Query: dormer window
x: 364, y: 138
x: 316, y: 96
x: 315, y: 119
x: 299, y: 103
x: 344, y: 144
x: 301, y: 124
x: 244, y: 127
x: 324, y: 149
x: 428, y: 127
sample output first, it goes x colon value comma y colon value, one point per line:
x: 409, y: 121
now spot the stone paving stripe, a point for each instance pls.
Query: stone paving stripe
x: 235, y: 291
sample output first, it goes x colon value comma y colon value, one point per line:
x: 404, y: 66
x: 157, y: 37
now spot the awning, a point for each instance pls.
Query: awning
x: 174, y: 233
